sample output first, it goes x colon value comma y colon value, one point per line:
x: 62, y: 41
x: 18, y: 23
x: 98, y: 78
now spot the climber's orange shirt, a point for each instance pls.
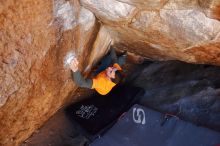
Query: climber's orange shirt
x: 102, y: 84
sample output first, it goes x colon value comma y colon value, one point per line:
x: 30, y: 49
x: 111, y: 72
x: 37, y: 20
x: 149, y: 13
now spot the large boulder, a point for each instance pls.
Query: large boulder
x: 163, y: 29
x: 35, y: 37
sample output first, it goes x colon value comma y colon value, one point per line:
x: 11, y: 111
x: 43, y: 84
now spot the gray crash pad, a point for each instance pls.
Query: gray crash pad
x: 141, y: 126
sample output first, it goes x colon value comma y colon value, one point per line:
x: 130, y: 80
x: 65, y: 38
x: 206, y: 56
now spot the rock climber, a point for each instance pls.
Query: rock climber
x: 108, y: 74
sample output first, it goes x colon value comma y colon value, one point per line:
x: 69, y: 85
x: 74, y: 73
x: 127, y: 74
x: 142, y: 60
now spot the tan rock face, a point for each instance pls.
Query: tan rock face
x: 110, y: 11
x: 210, y: 8
x: 165, y: 29
x: 146, y: 4
x: 35, y: 37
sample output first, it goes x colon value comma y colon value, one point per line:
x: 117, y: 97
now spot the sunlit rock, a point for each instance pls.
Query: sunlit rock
x: 110, y: 10
x: 163, y: 30
x: 35, y: 36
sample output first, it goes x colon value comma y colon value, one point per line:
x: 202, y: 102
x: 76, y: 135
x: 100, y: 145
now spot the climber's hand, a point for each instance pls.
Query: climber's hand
x: 74, y: 65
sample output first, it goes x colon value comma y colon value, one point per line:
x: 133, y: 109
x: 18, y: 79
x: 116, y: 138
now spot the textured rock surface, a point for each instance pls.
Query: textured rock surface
x: 35, y: 36
x: 110, y: 10
x: 164, y: 29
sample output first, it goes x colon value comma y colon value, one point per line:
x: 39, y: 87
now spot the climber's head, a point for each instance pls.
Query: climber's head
x: 114, y: 74
x: 110, y: 71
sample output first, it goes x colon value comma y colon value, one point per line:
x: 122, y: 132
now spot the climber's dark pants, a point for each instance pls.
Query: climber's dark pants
x: 110, y: 59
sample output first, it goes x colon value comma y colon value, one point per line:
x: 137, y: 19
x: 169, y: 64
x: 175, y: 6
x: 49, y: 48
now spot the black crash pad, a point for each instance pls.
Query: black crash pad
x: 141, y: 126
x: 97, y: 112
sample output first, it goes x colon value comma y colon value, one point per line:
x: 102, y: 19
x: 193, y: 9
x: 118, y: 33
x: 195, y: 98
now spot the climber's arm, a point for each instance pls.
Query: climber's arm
x: 77, y: 76
x: 80, y: 81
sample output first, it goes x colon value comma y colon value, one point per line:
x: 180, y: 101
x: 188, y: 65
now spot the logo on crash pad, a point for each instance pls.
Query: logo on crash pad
x: 86, y: 111
x: 139, y: 116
